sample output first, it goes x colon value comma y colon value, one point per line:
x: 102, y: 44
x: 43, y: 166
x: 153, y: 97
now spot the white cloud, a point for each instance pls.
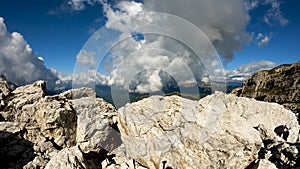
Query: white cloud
x: 167, y: 56
x: 41, y: 59
x: 244, y: 71
x: 205, y: 80
x: 81, y: 4
x: 272, y: 15
x: 224, y: 23
x: 262, y: 39
x: 251, y: 4
x: 85, y: 58
x: 152, y: 82
x: 18, y: 62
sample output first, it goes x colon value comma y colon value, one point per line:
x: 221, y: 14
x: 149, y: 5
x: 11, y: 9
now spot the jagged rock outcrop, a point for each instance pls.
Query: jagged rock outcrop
x: 280, y: 85
x: 5, y: 89
x: 75, y: 129
x: 219, y: 131
x: 95, y: 130
x: 53, y: 123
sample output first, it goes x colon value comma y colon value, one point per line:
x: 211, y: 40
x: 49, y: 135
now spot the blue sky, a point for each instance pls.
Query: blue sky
x: 56, y: 31
x: 59, y: 37
x: 284, y: 47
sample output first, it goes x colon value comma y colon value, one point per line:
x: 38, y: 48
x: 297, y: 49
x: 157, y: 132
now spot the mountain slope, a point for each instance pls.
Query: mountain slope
x: 280, y: 85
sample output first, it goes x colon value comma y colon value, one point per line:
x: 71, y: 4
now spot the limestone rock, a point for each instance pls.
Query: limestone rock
x: 4, y: 88
x: 4, y: 91
x: 55, y: 123
x: 75, y: 129
x: 284, y: 155
x: 280, y: 85
x: 11, y: 127
x: 78, y: 93
x: 21, y: 96
x: 67, y: 158
x: 237, y: 91
x: 216, y: 132
x: 95, y: 121
x: 8, y: 84
x: 265, y: 164
x: 117, y: 159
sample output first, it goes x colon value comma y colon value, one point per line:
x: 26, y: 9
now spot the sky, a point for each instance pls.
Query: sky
x: 52, y: 35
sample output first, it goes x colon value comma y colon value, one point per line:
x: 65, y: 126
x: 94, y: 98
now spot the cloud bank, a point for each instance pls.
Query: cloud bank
x: 18, y: 62
x: 244, y: 71
x: 223, y: 22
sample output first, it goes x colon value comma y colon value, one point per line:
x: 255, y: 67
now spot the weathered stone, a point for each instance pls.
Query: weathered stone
x: 216, y: 132
x: 4, y: 92
x: 67, y: 158
x: 117, y: 159
x: 264, y: 164
x: 77, y: 130
x: 4, y: 87
x: 53, y: 123
x: 284, y: 155
x: 95, y: 123
x: 23, y: 96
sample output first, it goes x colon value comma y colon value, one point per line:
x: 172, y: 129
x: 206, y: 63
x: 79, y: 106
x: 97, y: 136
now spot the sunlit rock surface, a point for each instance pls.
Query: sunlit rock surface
x: 219, y: 131
x: 76, y: 129
x: 53, y: 123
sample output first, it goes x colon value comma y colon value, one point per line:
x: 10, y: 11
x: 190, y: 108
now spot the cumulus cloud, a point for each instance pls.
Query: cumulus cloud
x: 85, y: 58
x: 223, y: 22
x: 169, y: 57
x: 18, y: 62
x: 244, y: 71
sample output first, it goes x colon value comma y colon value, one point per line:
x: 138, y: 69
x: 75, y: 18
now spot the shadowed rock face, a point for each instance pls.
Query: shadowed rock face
x: 280, y: 85
x: 15, y: 151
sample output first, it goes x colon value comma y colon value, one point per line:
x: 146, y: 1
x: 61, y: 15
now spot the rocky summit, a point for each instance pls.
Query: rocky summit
x: 280, y: 85
x: 76, y: 129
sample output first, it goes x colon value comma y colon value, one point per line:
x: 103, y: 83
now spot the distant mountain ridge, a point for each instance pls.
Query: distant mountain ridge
x: 195, y: 92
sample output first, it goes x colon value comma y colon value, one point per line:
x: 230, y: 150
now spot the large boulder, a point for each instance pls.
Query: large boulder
x: 219, y: 131
x: 22, y: 96
x: 95, y: 122
x: 75, y: 129
x: 59, y: 122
